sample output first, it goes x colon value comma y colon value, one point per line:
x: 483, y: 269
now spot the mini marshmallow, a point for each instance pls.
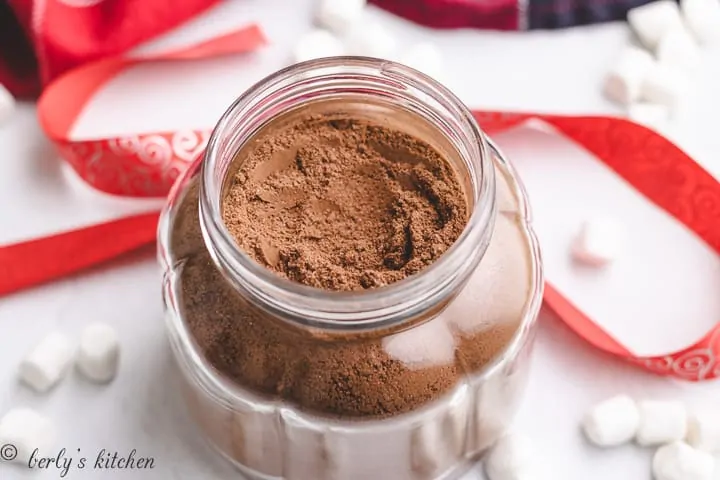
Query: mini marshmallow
x: 704, y: 431
x: 371, y: 40
x: 679, y: 461
x: 99, y: 353
x: 26, y: 430
x: 7, y: 105
x: 339, y: 15
x: 426, y: 58
x: 664, y: 85
x: 702, y: 18
x: 653, y: 20
x: 649, y: 114
x: 623, y: 82
x: 661, y: 422
x: 612, y: 422
x: 317, y: 44
x: 46, y: 364
x: 678, y: 49
x: 598, y: 242
x: 511, y: 458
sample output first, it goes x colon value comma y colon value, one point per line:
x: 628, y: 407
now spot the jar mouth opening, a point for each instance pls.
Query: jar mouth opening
x: 379, y: 307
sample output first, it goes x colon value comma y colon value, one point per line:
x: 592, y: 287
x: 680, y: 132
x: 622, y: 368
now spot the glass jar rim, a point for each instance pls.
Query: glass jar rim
x: 377, y: 308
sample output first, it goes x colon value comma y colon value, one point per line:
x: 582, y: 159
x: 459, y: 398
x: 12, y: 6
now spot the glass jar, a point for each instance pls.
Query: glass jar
x: 413, y: 380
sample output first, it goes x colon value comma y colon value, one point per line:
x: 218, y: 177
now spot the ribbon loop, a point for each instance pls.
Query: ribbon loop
x: 143, y: 165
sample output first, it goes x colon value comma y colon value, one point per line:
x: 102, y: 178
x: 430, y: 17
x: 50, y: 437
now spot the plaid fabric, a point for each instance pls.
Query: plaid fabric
x: 42, y: 39
x: 18, y: 65
x: 509, y: 14
x: 545, y: 14
x: 483, y: 14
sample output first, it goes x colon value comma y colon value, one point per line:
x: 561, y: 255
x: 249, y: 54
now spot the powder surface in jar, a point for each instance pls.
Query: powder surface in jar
x: 348, y: 378
x: 303, y: 197
x: 343, y: 204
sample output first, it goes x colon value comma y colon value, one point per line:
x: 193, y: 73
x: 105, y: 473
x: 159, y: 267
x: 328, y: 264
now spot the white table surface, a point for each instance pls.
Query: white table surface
x: 540, y: 71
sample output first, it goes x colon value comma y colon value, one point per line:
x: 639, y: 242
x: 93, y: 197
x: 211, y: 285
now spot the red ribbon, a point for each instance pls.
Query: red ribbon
x: 147, y: 164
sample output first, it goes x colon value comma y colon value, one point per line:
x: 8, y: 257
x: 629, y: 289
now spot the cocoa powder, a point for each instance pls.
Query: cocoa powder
x: 354, y: 379
x: 341, y: 204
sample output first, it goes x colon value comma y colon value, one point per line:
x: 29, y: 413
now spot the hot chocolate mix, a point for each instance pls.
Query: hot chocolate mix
x: 336, y: 378
x: 337, y: 204
x: 344, y: 204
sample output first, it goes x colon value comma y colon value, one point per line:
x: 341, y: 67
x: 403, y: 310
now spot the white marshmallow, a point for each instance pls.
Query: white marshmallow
x: 598, y: 242
x: 339, y: 15
x: 511, y: 458
x: 425, y: 57
x: 649, y: 114
x: 612, y: 422
x: 99, y: 353
x: 653, y: 20
x: 661, y: 421
x: 702, y: 17
x: 371, y: 40
x: 664, y: 85
x: 679, y: 461
x: 46, y: 364
x: 26, y: 430
x: 7, y: 105
x: 317, y: 44
x: 704, y: 430
x: 625, y: 78
x: 678, y: 49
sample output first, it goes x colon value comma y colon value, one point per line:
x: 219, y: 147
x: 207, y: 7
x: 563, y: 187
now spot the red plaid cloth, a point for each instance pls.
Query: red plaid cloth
x: 509, y: 14
x: 41, y: 39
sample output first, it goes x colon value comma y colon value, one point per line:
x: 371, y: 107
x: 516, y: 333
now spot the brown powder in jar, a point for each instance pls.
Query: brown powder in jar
x: 342, y: 204
x: 353, y: 379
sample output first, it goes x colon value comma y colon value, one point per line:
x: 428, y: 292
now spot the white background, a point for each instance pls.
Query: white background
x: 661, y: 295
